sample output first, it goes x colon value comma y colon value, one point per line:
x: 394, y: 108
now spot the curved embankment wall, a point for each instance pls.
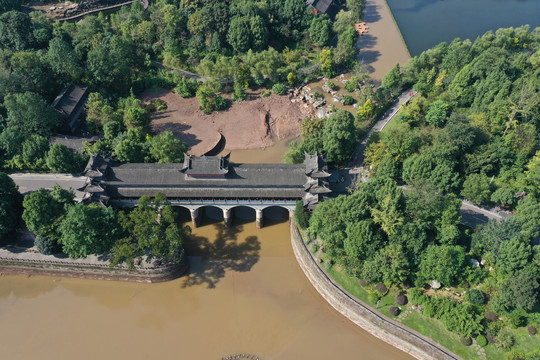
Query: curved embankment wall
x: 12, y: 264
x: 362, y: 315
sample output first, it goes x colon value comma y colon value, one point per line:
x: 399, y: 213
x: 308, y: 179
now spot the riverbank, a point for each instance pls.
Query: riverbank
x: 383, y: 46
x: 19, y: 261
x: 362, y: 315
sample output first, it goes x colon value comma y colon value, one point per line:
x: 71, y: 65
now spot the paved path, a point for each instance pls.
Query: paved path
x: 32, y: 182
x: 357, y: 158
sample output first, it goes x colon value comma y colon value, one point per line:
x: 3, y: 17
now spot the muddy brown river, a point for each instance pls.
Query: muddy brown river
x: 245, y: 294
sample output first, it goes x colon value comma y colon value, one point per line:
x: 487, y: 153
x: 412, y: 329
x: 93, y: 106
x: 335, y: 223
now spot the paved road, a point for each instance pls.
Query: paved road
x: 32, y: 182
x: 357, y: 158
x: 472, y: 215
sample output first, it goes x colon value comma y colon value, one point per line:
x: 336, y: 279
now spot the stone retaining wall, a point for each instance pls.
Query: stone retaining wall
x: 76, y: 269
x: 361, y: 314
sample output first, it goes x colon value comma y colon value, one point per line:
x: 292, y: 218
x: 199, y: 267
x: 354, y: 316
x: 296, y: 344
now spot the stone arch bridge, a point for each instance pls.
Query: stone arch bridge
x: 209, y: 181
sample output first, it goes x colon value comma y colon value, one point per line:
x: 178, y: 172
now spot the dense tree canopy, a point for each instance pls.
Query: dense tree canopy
x: 88, y: 230
x: 10, y: 204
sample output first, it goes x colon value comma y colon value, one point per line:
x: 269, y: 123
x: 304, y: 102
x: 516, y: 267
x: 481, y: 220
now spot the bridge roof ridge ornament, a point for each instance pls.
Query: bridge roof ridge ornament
x: 206, y: 166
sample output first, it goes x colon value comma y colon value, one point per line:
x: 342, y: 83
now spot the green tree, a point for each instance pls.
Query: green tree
x: 259, y: 33
x: 327, y: 63
x: 63, y: 59
x: 513, y: 255
x: 15, y: 31
x: 345, y: 52
x: 63, y: 160
x: 137, y: 118
x: 363, y: 240
x: 475, y: 296
x: 152, y: 229
x: 356, y: 7
x: 437, y: 113
x: 239, y: 35
x: 503, y: 197
x: 210, y: 100
x: 131, y: 147
x: 239, y: 93
x: 30, y: 114
x: 165, y: 148
x: 88, y: 230
x: 442, y: 263
x: 301, y: 215
x: 393, y: 80
x: 10, y: 204
x: 476, y: 188
x: 527, y: 216
x: 520, y: 290
x: 320, y: 30
x: 7, y: 5
x: 389, y: 265
x: 41, y: 213
x: 339, y: 136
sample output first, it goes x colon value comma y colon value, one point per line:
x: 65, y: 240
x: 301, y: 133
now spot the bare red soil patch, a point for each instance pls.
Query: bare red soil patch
x: 252, y: 124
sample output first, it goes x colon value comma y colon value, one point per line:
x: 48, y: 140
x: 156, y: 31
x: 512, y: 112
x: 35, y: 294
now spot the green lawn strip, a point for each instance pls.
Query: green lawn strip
x: 437, y: 332
x: 392, y: 123
x: 524, y: 342
x: 351, y: 285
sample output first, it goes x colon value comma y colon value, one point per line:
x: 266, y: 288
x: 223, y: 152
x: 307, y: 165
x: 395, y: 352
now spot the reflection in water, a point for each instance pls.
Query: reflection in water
x: 224, y: 253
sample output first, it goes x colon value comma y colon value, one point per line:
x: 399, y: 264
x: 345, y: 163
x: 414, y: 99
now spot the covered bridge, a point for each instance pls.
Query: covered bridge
x: 210, y: 180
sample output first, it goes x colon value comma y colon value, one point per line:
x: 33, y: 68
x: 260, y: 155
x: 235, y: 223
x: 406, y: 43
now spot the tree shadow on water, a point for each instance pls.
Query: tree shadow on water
x: 225, y: 253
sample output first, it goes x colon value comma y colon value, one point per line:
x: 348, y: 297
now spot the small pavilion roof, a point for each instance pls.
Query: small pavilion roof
x: 205, y: 165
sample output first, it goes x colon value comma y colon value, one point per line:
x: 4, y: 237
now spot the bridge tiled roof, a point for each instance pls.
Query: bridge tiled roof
x: 242, y: 181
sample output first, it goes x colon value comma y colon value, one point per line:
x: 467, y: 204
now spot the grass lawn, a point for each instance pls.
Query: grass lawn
x: 392, y: 123
x: 433, y: 328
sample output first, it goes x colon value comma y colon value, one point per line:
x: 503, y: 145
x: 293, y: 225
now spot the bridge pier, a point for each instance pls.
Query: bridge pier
x: 195, y: 218
x: 259, y: 218
x: 227, y: 217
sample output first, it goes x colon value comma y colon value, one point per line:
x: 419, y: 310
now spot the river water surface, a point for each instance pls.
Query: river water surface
x: 245, y: 294
x: 425, y: 23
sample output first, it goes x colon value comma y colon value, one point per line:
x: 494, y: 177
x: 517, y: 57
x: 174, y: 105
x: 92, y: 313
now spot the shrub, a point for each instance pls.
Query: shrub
x: 332, y: 85
x: 265, y: 93
x: 465, y: 340
x: 481, y: 340
x: 373, y: 298
x: 416, y: 296
x: 532, y: 330
x: 187, y: 88
x: 475, y: 297
x: 301, y: 215
x: 314, y: 248
x: 518, y: 355
x: 394, y: 311
x: 517, y: 318
x: 505, y: 340
x: 362, y: 282
x: 279, y: 89
x: 327, y: 264
x: 401, y: 299
x: 491, y: 316
x: 156, y: 105
x: 221, y: 103
x: 352, y: 84
x: 45, y: 245
x: 381, y: 288
x: 348, y: 100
